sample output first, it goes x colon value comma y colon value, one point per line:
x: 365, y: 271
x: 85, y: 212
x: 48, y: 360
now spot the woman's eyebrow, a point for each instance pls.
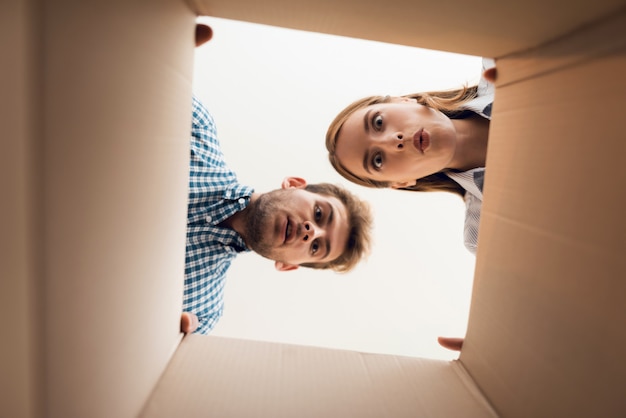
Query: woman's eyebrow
x: 366, y: 121
x: 366, y: 162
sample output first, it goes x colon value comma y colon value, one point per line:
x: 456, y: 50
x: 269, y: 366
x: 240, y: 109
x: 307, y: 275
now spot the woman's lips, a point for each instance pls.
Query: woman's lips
x: 425, y: 144
x: 421, y: 140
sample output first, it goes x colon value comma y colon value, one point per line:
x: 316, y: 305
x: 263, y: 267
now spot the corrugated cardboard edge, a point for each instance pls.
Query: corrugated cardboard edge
x: 472, y: 387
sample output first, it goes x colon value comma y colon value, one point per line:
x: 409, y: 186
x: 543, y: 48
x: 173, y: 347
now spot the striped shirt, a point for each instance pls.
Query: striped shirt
x: 214, y: 195
x: 472, y: 180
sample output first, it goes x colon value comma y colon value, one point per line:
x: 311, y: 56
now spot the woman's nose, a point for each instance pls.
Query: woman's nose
x: 309, y: 231
x: 397, y: 140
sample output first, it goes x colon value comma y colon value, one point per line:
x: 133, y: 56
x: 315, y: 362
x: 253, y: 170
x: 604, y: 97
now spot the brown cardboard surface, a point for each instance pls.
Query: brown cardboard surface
x: 112, y: 138
x: 546, y: 331
x: 20, y: 215
x: 481, y: 27
x: 595, y: 39
x: 221, y: 377
x: 94, y: 159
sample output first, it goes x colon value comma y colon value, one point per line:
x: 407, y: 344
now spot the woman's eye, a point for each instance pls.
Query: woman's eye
x: 315, y: 246
x: 318, y: 214
x: 377, y: 122
x: 377, y: 161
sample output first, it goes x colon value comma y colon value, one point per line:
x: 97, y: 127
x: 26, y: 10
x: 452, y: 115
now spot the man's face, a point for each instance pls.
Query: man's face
x: 293, y: 226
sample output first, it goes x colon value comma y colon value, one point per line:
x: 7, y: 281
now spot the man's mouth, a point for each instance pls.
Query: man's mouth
x: 288, y: 230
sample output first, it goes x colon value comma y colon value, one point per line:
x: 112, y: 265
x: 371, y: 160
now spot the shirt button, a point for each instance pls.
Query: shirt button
x: 241, y: 201
x: 209, y: 218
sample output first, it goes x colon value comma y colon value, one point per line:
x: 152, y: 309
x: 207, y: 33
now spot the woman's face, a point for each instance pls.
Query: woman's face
x: 398, y: 142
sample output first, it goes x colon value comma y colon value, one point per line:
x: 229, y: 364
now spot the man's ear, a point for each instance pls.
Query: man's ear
x: 293, y: 182
x: 402, y: 184
x: 280, y: 266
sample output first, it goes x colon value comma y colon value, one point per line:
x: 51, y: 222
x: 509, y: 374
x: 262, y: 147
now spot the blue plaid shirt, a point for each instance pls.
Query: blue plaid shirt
x: 214, y: 195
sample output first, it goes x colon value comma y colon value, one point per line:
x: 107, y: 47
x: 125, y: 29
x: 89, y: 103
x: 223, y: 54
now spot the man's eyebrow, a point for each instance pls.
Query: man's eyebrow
x: 329, y: 220
x: 330, y: 215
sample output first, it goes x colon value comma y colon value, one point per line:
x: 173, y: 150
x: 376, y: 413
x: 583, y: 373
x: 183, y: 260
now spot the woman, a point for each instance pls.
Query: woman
x: 434, y: 141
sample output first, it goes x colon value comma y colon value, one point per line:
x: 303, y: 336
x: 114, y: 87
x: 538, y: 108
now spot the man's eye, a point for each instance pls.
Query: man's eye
x: 377, y: 161
x: 318, y: 213
x: 377, y: 122
x: 315, y: 246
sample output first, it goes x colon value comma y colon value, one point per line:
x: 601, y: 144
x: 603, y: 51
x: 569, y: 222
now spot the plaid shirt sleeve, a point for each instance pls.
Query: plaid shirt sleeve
x: 214, y: 195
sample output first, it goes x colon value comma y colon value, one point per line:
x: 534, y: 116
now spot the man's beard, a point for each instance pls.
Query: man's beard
x: 259, y: 234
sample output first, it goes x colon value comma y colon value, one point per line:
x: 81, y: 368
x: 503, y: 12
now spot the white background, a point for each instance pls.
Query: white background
x: 273, y: 93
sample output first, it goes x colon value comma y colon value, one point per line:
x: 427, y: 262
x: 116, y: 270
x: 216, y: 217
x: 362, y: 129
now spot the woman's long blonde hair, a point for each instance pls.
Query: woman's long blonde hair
x: 449, y: 102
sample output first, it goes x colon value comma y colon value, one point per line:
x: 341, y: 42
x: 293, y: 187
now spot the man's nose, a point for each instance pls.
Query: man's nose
x: 310, y: 232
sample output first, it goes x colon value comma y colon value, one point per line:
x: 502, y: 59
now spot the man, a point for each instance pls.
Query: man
x: 318, y: 225
x: 189, y: 321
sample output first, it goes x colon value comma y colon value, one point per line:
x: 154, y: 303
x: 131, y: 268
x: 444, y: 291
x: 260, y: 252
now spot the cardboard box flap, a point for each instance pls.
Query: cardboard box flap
x: 593, y: 40
x: 21, y: 264
x: 116, y: 106
x: 238, y: 378
x: 546, y: 330
x: 482, y: 27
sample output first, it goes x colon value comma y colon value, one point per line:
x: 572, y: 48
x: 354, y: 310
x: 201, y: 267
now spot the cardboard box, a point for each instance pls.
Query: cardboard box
x: 222, y: 377
x: 90, y: 320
